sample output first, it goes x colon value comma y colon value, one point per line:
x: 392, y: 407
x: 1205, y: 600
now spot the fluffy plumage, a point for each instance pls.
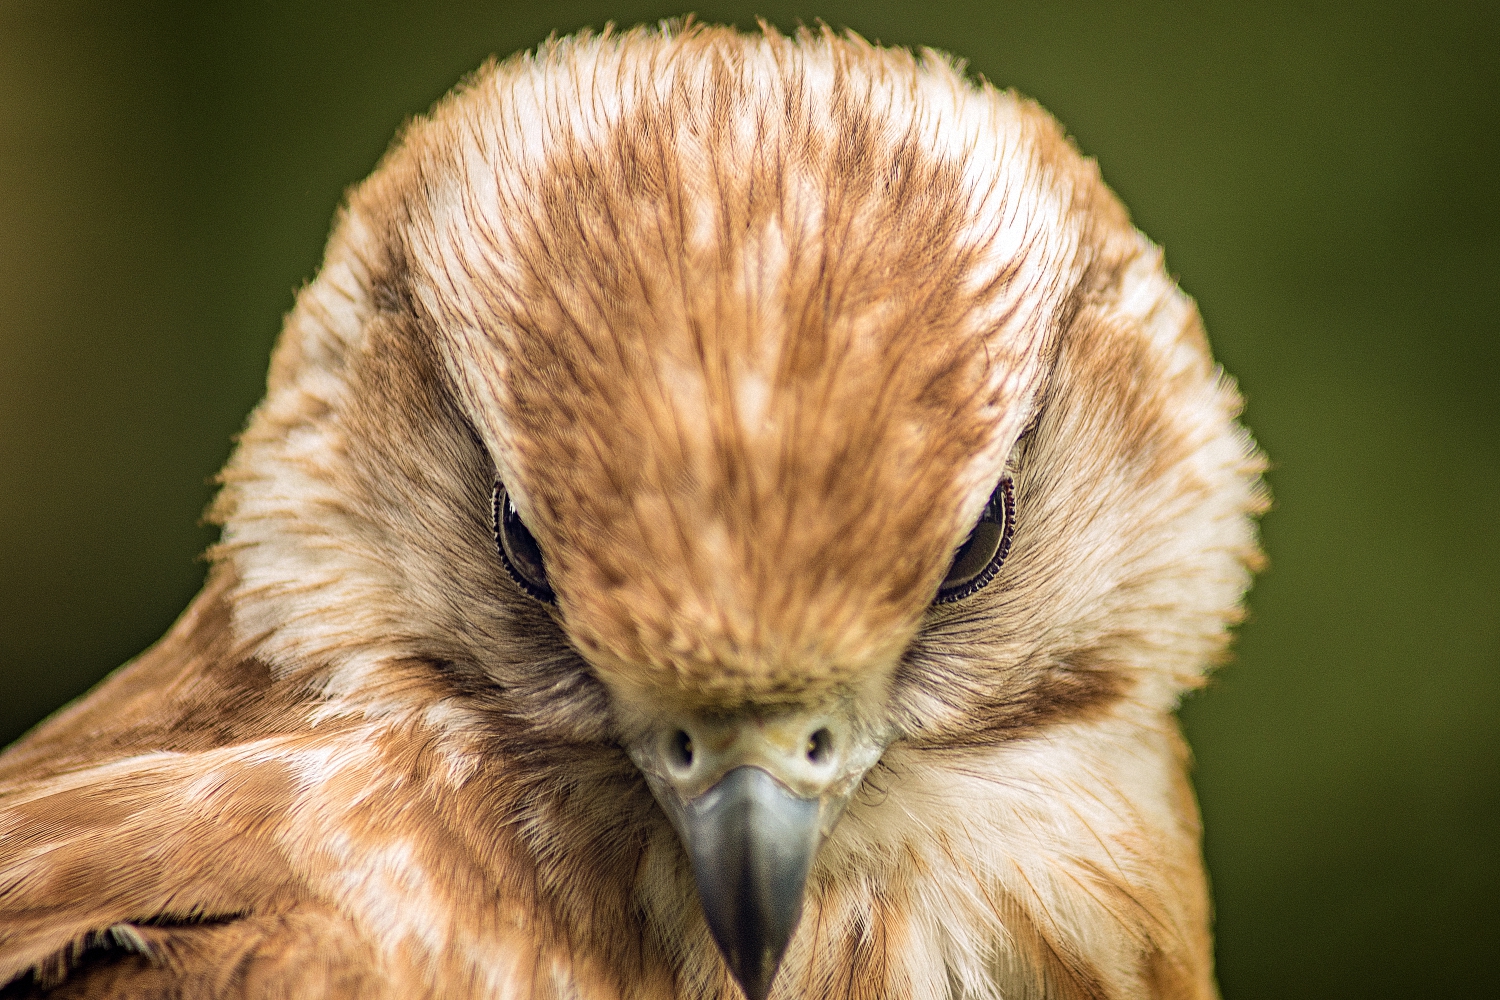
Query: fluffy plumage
x: 750, y: 326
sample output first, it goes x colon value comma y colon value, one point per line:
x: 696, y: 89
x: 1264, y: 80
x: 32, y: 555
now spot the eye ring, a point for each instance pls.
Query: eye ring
x: 517, y: 546
x: 978, y: 559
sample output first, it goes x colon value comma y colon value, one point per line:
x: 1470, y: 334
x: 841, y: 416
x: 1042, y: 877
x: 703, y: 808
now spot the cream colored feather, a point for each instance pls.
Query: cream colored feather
x: 749, y: 326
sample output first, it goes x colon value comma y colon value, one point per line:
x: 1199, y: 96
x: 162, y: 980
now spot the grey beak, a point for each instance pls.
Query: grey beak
x: 753, y: 794
x: 751, y: 843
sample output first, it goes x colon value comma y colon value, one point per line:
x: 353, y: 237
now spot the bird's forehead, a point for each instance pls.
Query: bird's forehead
x: 749, y: 374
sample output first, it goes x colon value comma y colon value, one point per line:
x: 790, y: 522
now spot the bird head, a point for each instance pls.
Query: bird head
x: 745, y: 405
x: 738, y: 453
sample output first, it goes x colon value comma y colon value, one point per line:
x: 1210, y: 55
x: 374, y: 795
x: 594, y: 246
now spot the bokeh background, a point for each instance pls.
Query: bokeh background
x: 1322, y: 175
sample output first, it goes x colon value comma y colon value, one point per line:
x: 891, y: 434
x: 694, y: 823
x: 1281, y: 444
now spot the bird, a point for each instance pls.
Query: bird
x: 734, y: 514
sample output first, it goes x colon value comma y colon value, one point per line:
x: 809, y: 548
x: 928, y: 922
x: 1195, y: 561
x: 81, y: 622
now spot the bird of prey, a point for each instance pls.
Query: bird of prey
x: 734, y: 514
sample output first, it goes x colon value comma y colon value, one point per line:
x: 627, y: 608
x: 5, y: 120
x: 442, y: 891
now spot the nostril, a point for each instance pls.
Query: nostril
x: 820, y: 746
x: 680, y: 749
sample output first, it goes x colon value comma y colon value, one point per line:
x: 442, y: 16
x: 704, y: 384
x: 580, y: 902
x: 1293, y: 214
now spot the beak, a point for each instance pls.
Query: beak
x: 751, y: 843
x: 753, y: 799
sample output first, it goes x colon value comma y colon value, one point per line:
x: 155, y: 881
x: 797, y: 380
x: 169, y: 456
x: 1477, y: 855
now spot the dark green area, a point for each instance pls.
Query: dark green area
x: 1323, y: 179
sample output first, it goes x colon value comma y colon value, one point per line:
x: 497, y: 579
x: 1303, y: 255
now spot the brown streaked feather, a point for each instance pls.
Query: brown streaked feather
x: 750, y: 326
x: 193, y: 690
x: 307, y: 951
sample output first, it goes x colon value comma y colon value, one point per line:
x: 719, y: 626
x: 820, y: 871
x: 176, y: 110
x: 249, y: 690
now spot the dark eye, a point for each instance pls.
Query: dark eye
x: 518, y: 548
x: 980, y: 556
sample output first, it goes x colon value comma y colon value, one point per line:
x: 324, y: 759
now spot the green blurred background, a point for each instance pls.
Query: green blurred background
x: 1323, y: 179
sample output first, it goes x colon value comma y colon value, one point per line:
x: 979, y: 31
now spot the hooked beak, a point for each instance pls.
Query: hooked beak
x: 753, y: 799
x: 751, y: 843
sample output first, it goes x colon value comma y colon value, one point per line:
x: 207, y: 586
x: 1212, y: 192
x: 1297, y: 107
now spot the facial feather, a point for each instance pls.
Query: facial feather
x: 694, y: 335
x: 750, y: 327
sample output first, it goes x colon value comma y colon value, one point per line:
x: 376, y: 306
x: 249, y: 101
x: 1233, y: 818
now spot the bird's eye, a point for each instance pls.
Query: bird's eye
x: 980, y: 556
x: 518, y: 548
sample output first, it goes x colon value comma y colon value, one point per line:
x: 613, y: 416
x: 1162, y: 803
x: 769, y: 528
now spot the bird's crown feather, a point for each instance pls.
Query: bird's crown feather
x: 748, y: 326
